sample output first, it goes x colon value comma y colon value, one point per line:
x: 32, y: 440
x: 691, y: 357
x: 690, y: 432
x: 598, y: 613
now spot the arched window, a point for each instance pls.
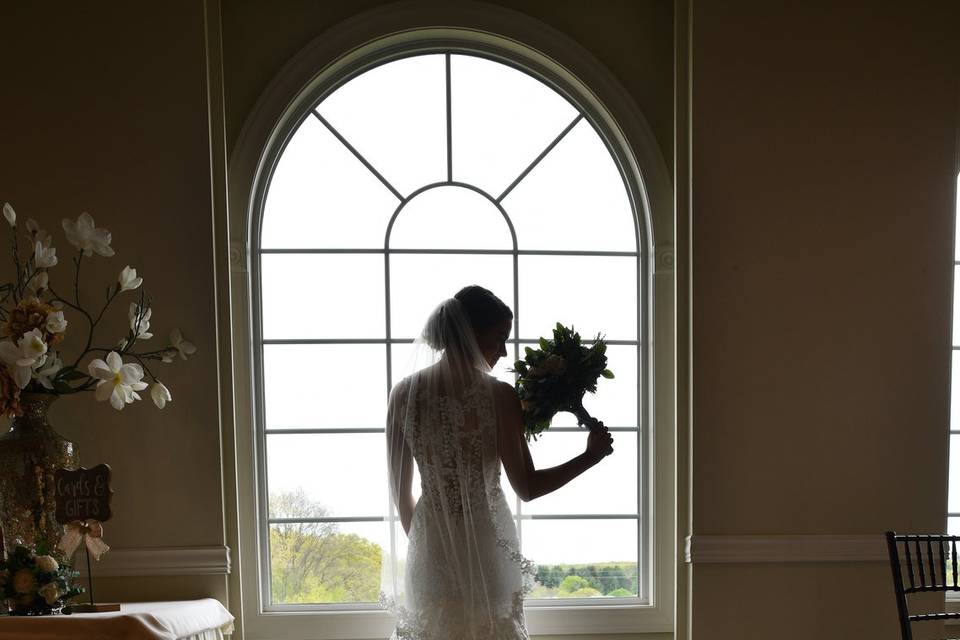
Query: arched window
x: 405, y: 183
x: 406, y: 170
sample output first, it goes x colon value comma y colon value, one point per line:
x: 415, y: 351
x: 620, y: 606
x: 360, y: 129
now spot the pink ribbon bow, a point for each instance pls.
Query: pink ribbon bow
x: 88, y: 531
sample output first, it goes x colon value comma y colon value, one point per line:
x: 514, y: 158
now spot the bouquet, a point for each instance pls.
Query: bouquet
x: 32, y: 324
x: 554, y: 378
x: 35, y: 585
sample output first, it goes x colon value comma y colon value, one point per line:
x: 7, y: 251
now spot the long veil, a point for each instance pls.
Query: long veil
x: 462, y: 574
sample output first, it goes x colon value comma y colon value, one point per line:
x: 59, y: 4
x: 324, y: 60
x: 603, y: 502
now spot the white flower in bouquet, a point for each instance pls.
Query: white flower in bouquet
x: 168, y: 356
x: 23, y: 357
x: 87, y: 237
x: 9, y: 214
x: 38, y: 283
x: 50, y: 593
x: 140, y: 321
x: 56, y: 322
x: 183, y: 347
x: 128, y: 279
x: 160, y: 394
x: 32, y: 227
x: 47, y: 564
x: 24, y: 581
x: 119, y: 382
x: 44, y: 256
x: 50, y: 368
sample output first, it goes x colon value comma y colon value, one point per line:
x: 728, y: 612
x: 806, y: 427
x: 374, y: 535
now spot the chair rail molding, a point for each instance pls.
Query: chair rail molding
x: 730, y: 549
x: 159, y: 561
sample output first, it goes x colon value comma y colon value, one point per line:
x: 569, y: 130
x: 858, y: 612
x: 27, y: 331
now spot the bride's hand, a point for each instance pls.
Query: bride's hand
x: 599, y: 443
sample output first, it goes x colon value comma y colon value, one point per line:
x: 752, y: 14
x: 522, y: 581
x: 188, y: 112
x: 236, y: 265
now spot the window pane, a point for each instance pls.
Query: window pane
x: 956, y: 308
x: 324, y: 386
x: 574, y: 199
x: 450, y: 218
x: 957, y: 226
x: 615, y: 402
x: 308, y: 475
x: 323, y: 296
x: 955, y: 395
x: 953, y: 502
x: 608, y: 488
x: 502, y: 120
x: 326, y: 563
x: 395, y: 115
x: 420, y: 282
x: 321, y: 196
x: 596, y: 294
x: 600, y: 554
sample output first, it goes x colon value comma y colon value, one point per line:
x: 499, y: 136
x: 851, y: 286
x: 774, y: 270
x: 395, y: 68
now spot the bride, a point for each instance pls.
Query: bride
x: 465, y: 576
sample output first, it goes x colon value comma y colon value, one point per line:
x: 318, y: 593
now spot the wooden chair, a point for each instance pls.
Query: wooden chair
x: 929, y: 563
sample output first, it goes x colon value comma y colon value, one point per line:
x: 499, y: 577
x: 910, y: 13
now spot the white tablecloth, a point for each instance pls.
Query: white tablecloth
x: 204, y: 619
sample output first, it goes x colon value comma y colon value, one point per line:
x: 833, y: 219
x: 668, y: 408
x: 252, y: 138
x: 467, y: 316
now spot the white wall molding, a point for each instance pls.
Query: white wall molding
x: 159, y: 561
x: 786, y: 548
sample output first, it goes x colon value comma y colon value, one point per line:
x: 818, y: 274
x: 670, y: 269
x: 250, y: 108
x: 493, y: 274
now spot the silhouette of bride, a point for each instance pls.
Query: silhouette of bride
x: 465, y: 577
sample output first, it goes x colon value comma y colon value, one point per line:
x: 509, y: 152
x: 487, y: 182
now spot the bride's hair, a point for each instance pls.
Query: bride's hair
x: 482, y: 308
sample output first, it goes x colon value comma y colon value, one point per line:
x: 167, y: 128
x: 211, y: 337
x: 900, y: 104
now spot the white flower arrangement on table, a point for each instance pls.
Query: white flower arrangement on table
x: 32, y: 323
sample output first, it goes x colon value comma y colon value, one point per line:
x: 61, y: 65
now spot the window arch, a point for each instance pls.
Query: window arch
x: 547, y: 272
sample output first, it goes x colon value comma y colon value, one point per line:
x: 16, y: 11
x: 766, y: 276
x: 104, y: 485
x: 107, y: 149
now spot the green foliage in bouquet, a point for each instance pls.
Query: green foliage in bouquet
x: 554, y: 378
x: 36, y: 584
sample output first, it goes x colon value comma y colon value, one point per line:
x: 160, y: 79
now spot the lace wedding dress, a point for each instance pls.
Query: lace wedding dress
x: 465, y: 578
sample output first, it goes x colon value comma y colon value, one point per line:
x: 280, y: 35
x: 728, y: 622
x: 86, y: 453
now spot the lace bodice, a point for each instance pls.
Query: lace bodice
x: 462, y: 449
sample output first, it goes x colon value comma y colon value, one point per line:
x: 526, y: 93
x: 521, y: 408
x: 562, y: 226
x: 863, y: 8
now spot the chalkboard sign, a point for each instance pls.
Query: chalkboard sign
x: 83, y: 494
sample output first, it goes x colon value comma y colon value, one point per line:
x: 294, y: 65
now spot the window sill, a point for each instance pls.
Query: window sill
x: 593, y: 620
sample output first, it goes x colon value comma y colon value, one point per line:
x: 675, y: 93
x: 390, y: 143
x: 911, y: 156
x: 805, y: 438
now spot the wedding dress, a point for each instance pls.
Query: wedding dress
x: 465, y: 577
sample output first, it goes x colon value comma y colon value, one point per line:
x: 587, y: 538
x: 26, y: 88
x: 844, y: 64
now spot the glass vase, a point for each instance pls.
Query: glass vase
x: 30, y: 452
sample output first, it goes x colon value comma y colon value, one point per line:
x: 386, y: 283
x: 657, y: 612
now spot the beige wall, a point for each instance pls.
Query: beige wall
x: 824, y: 165
x: 824, y: 169
x: 104, y: 110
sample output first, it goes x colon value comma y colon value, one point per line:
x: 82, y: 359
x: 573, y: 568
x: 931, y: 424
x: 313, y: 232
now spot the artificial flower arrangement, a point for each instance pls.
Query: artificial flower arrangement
x: 33, y: 584
x: 32, y: 324
x: 556, y: 376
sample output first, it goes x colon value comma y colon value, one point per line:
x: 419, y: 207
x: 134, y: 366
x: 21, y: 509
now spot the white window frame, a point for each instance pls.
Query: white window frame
x: 632, y: 144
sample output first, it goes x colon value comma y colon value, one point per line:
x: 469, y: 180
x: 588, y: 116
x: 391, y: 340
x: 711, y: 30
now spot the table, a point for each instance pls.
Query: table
x: 204, y: 619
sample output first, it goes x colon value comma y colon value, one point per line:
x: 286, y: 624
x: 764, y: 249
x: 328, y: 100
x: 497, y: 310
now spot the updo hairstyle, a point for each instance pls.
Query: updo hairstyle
x: 482, y: 308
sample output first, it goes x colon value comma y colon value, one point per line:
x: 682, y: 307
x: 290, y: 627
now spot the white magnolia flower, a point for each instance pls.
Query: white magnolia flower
x: 56, y: 322
x: 140, y: 321
x: 22, y: 358
x: 87, y: 237
x: 9, y: 214
x: 39, y: 282
x: 160, y: 394
x: 119, y: 382
x: 32, y: 227
x: 44, y: 256
x: 47, y: 564
x: 183, y: 347
x: 128, y: 279
x: 50, y: 369
x: 168, y: 355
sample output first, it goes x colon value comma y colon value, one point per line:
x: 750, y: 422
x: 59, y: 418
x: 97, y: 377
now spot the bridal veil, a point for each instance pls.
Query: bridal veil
x: 463, y: 575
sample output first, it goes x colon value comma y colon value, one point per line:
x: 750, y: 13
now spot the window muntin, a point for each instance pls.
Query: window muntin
x: 541, y: 189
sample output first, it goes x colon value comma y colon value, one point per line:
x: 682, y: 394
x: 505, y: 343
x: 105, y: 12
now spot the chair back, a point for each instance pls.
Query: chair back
x: 922, y: 563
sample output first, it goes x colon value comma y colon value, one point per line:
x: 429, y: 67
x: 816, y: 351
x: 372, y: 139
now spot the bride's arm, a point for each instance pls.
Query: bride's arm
x: 528, y: 481
x: 400, y: 467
